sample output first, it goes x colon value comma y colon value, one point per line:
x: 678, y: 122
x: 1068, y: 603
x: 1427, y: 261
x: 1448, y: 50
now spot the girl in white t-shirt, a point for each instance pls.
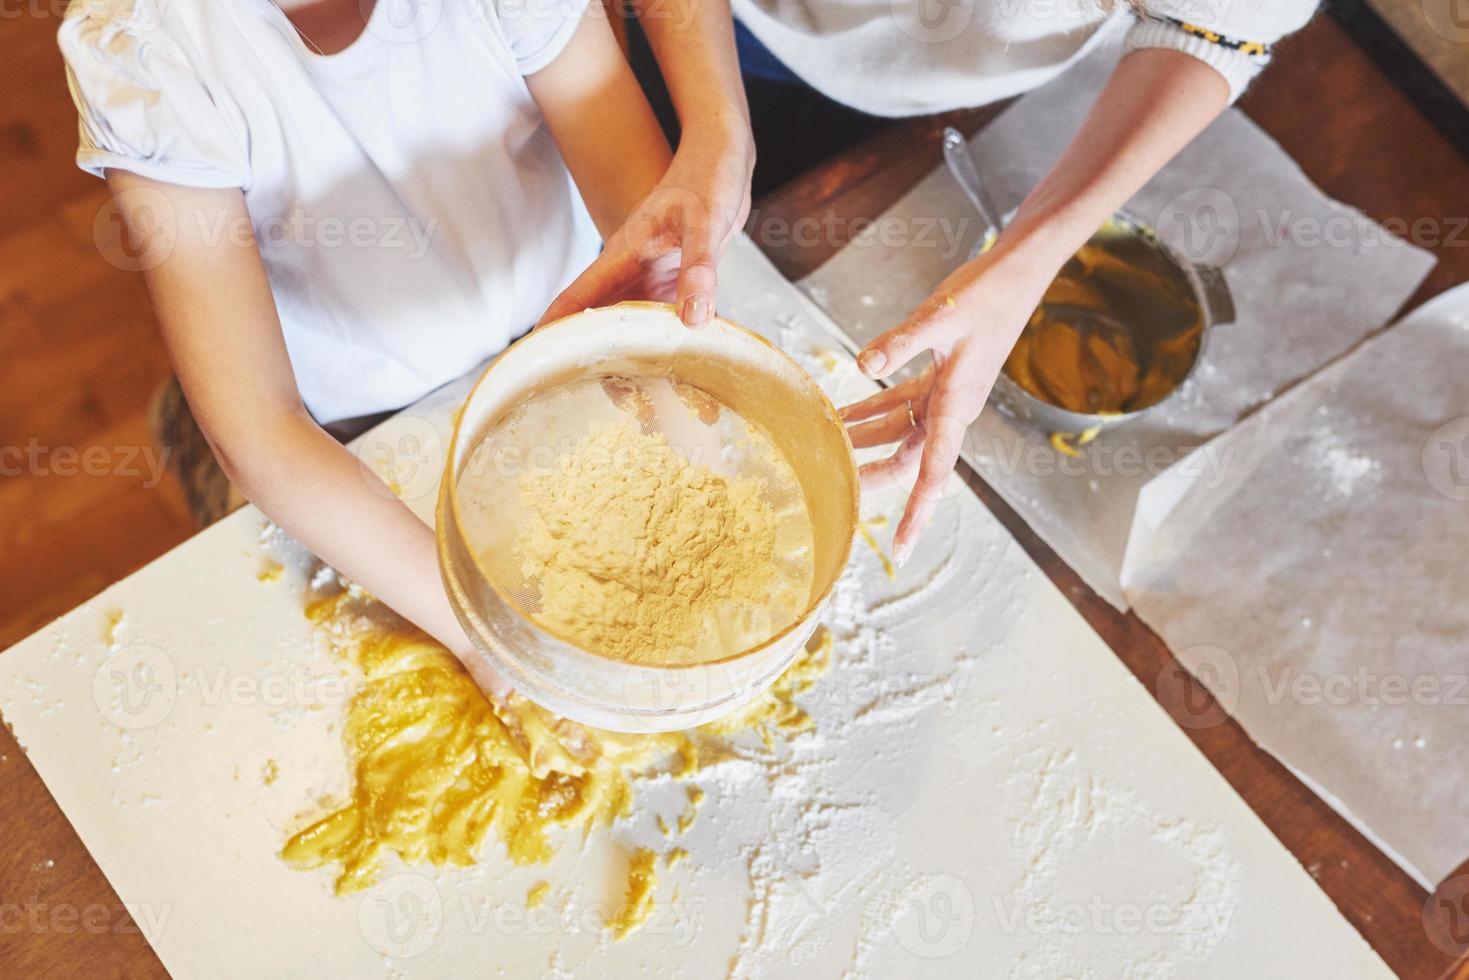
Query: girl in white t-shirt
x: 340, y: 205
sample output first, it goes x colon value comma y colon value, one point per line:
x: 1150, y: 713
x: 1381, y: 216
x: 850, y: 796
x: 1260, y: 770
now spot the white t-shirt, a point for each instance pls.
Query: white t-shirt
x: 412, y: 210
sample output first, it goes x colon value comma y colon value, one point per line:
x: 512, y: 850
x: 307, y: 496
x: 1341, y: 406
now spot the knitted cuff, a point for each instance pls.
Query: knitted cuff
x: 1237, y: 67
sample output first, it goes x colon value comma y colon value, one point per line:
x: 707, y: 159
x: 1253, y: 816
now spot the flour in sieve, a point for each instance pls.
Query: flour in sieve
x: 642, y: 555
x: 640, y: 518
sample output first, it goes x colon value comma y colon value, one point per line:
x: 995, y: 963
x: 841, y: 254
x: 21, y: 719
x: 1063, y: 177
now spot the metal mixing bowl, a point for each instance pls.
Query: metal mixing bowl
x: 1216, y: 307
x: 746, y: 373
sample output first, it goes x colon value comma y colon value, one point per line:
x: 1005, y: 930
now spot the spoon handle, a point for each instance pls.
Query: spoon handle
x: 961, y: 165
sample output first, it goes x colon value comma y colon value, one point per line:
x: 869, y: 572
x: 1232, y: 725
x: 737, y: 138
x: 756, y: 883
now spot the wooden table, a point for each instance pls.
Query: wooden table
x: 1363, y: 142
x: 1326, y: 103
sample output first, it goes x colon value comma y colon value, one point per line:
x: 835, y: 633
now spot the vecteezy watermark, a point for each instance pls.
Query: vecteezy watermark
x: 95, y: 918
x: 138, y: 686
x: 932, y: 21
x: 1347, y: 231
x: 1361, y: 686
x: 681, y: 13
x: 291, y: 687
x: 1448, y: 18
x: 401, y: 21
x: 652, y: 695
x: 1206, y: 226
x: 1203, y: 223
x: 860, y: 690
x: 1098, y: 916
x: 138, y: 229
x: 937, y: 918
x: 135, y: 687
x: 142, y: 17
x: 1446, y: 459
x: 405, y: 455
x: 17, y: 9
x: 506, y: 461
x: 661, y: 221
x: 1446, y: 916
x: 299, y: 228
x: 1204, y: 686
x: 35, y: 459
x: 1205, y: 692
x: 829, y: 229
x: 676, y: 922
x: 402, y: 915
x: 1207, y: 463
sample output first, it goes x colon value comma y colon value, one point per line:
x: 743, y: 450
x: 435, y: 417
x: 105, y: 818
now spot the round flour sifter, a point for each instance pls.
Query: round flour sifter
x: 640, y: 523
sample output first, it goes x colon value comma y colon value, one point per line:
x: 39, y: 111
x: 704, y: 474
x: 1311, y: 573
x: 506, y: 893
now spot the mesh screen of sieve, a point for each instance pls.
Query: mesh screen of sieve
x: 640, y: 518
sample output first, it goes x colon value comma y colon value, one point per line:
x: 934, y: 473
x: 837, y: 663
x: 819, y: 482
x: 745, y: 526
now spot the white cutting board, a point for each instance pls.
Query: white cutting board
x: 989, y: 792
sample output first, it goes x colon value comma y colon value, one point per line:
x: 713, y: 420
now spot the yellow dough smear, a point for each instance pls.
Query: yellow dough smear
x: 776, y: 712
x: 864, y: 529
x: 691, y: 811
x: 642, y: 882
x: 436, y: 769
x: 639, y: 552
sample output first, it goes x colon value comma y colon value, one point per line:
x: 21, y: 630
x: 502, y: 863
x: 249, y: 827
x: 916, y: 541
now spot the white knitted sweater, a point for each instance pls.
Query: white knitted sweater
x: 907, y: 57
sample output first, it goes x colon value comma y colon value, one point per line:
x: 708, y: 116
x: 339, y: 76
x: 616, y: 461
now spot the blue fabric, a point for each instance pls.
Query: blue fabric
x: 756, y: 61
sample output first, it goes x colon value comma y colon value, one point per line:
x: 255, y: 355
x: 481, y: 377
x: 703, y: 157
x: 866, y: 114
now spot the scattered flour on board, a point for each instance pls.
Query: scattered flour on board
x: 1345, y: 469
x: 1348, y: 469
x: 821, y: 852
x: 810, y: 826
x: 823, y: 855
x: 1070, y: 819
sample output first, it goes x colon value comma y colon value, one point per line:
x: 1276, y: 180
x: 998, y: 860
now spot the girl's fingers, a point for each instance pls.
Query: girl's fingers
x: 898, y: 423
x: 897, y: 468
x: 885, y: 428
x: 882, y: 401
x: 931, y: 325
x: 951, y: 409
x: 600, y: 283
x: 696, y: 274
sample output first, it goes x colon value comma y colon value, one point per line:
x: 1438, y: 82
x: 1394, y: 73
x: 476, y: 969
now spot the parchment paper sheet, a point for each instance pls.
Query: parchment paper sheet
x: 1310, y: 278
x: 1320, y: 589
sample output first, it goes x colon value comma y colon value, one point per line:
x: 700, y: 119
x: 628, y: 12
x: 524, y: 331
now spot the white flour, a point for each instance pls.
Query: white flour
x: 1068, y: 813
x: 1345, y: 469
x: 821, y: 875
x: 822, y: 856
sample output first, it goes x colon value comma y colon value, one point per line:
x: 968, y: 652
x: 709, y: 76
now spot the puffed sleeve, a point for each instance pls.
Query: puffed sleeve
x: 537, y: 30
x: 1236, y: 38
x: 144, y: 107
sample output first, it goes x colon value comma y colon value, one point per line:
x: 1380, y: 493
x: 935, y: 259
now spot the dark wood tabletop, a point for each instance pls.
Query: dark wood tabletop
x: 1364, y: 142
x: 1347, y: 125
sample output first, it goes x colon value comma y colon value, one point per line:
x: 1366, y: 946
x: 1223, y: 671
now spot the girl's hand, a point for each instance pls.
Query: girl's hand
x: 969, y: 324
x: 668, y: 247
x: 1156, y: 101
